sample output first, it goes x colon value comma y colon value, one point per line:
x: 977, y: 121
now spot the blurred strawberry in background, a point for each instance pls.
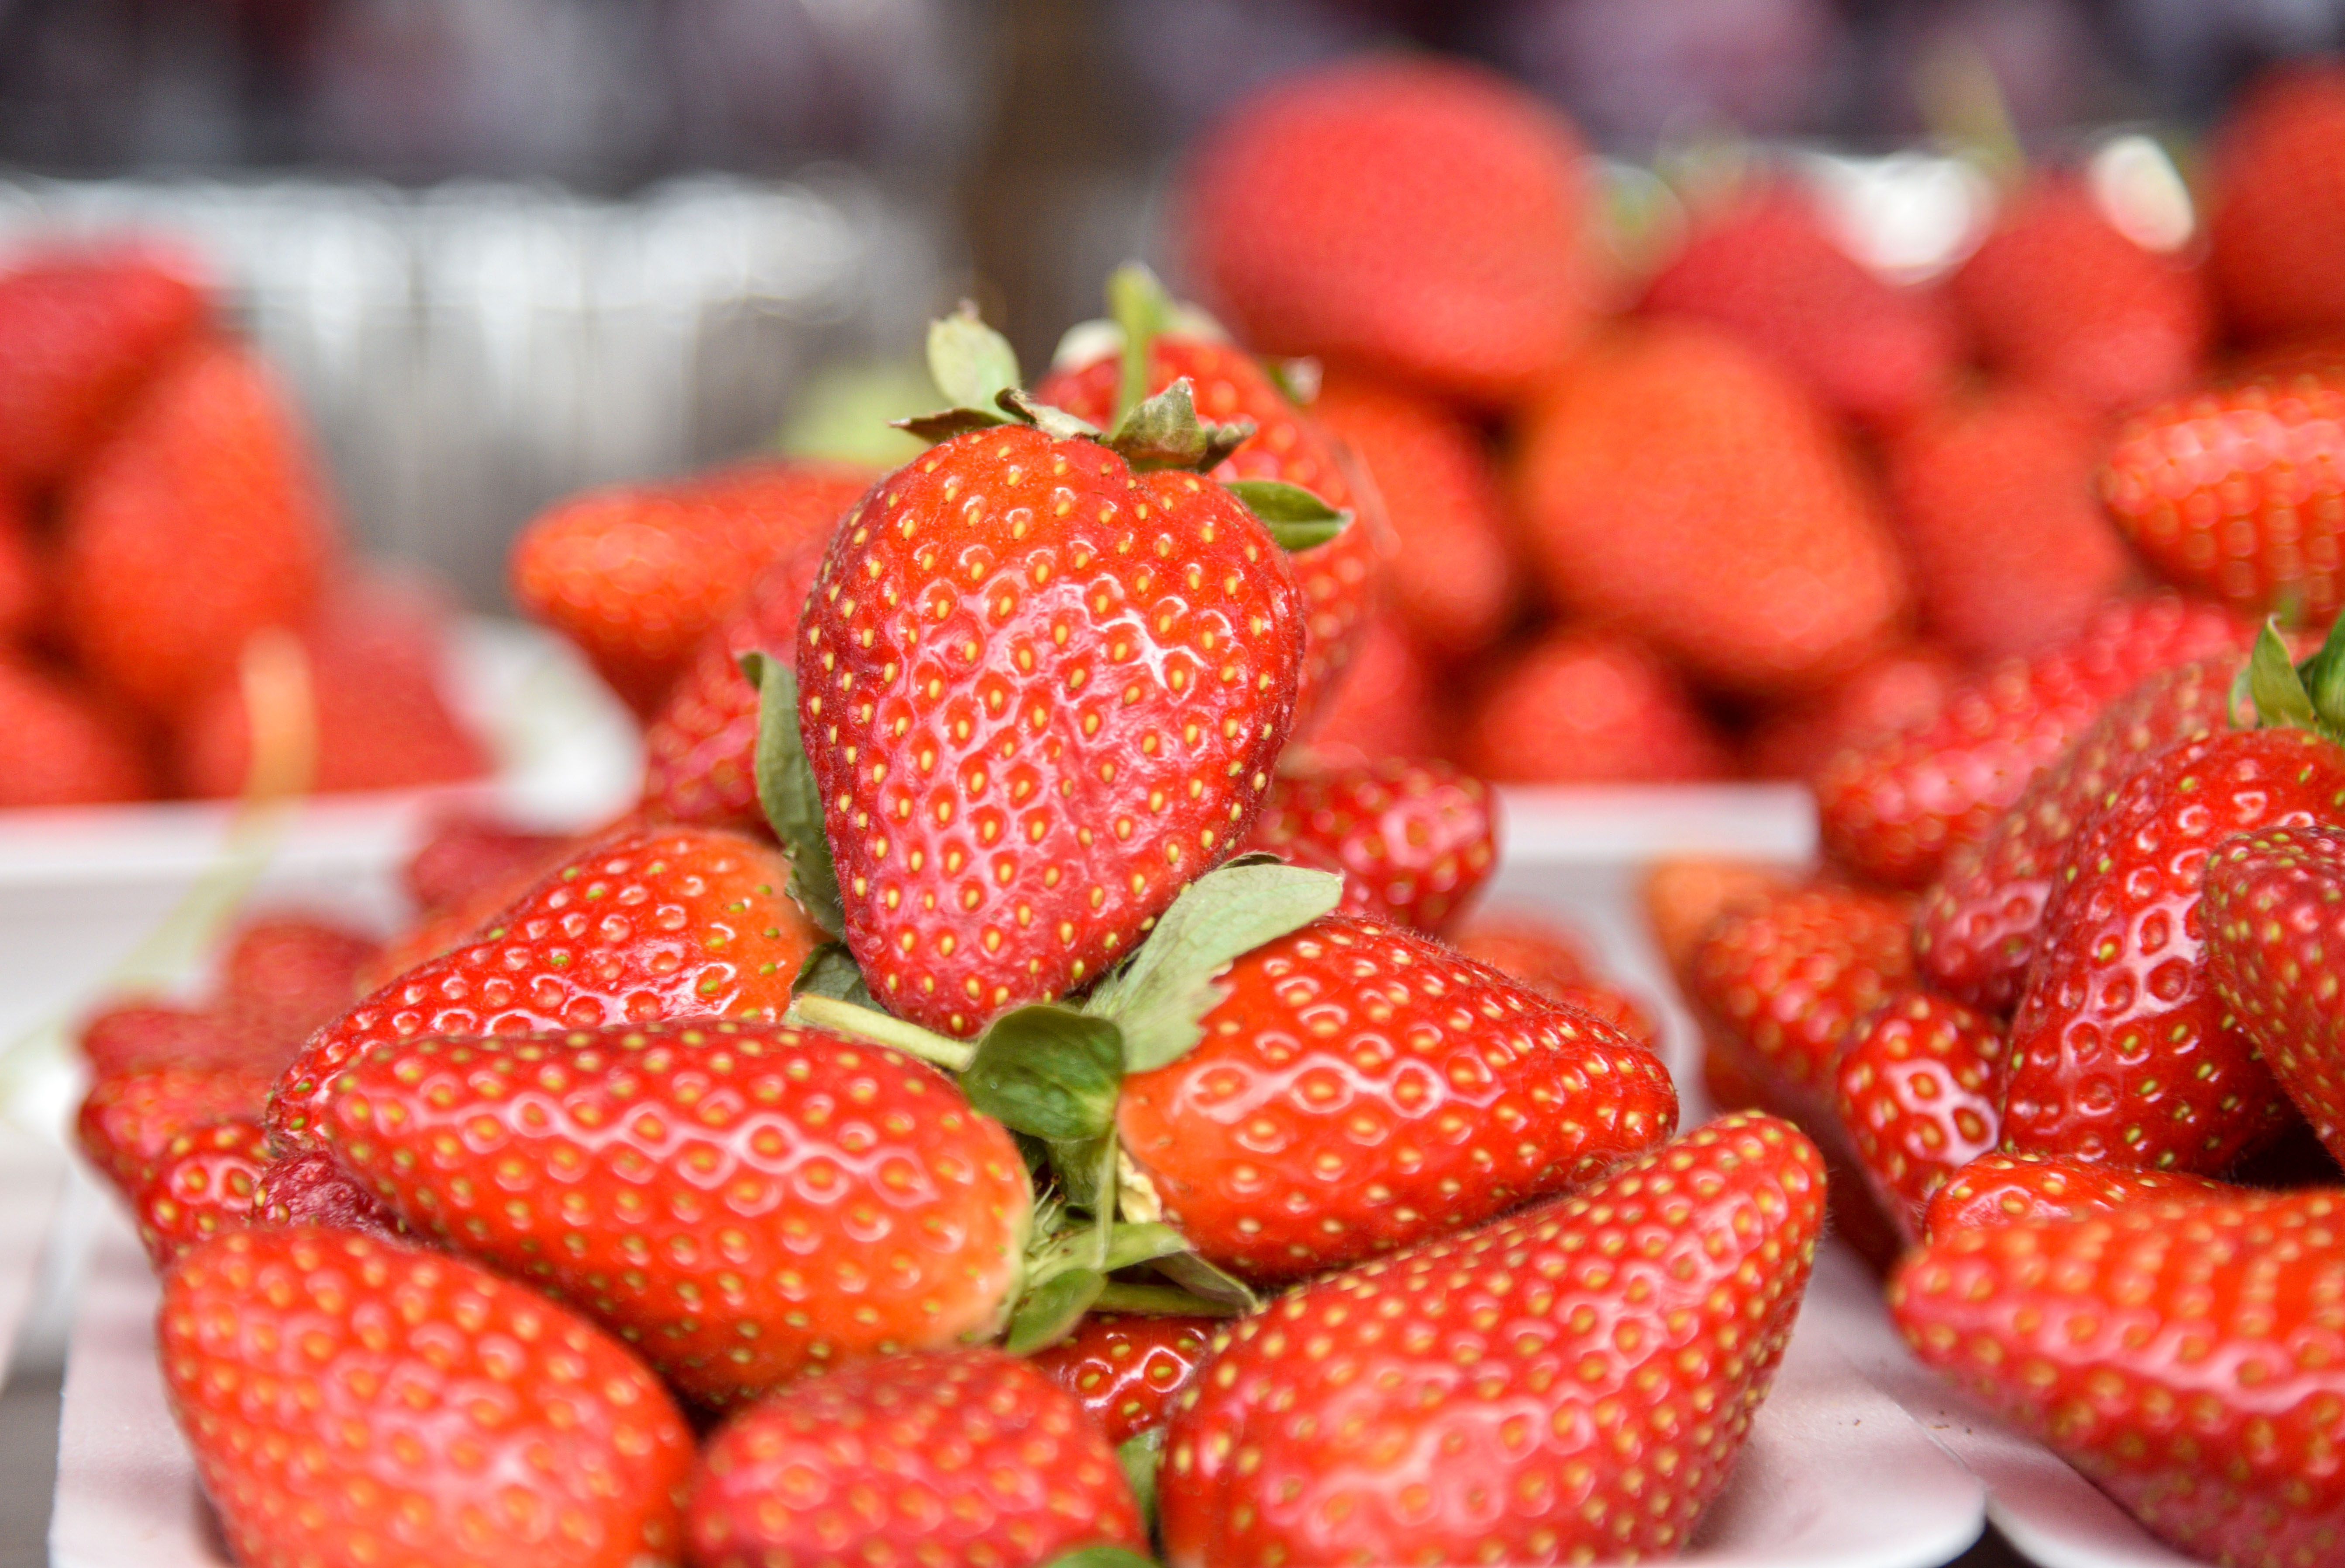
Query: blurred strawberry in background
x: 1587, y: 706
x: 2276, y: 214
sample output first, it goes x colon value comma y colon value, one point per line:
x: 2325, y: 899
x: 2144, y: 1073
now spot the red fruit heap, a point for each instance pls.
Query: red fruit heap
x: 1414, y: 841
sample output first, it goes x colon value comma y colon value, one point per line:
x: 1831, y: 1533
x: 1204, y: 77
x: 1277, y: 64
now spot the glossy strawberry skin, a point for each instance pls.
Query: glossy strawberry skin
x: 1586, y: 705
x: 205, y: 1182
x: 1129, y: 1371
x: 2179, y: 1356
x: 1893, y: 810
x: 1021, y: 656
x: 1641, y: 1318
x: 356, y: 1403
x: 649, y: 925
x: 2277, y: 219
x: 129, y: 1119
x: 2120, y: 1050
x: 2273, y: 911
x: 1414, y: 841
x: 1361, y: 1089
x: 2003, y: 1189
x: 961, y: 1460
x: 2239, y: 490
x: 1921, y: 1095
x: 1977, y: 930
x: 740, y: 1202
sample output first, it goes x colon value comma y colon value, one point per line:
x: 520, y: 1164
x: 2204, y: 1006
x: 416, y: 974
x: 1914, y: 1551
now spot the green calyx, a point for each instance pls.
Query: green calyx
x: 2309, y: 695
x: 787, y: 794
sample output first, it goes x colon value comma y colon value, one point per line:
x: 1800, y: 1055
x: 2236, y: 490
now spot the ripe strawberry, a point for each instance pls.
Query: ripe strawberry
x: 62, y: 745
x: 1383, y: 707
x: 1587, y: 706
x: 2059, y: 298
x: 1903, y: 689
x: 80, y: 330
x: 965, y: 1460
x: 1764, y: 269
x: 1978, y: 930
x: 127, y: 1119
x: 2170, y: 1353
x: 2120, y: 1050
x: 1129, y: 1371
x: 1359, y: 1087
x: 1452, y: 577
x: 2271, y: 914
x: 1921, y: 1094
x: 286, y: 974
x: 636, y: 575
x: 198, y: 523
x: 1995, y: 501
x: 1893, y: 809
x: 2239, y: 490
x: 1999, y: 1189
x: 311, y: 1190
x: 352, y: 1402
x: 131, y: 1035
x: 1413, y: 840
x: 1598, y: 1358
x: 740, y: 1202
x: 204, y: 1183
x: 1414, y: 219
x: 1527, y: 946
x: 1684, y: 896
x: 463, y: 853
x: 2277, y: 216
x: 654, y: 925
x: 1672, y: 481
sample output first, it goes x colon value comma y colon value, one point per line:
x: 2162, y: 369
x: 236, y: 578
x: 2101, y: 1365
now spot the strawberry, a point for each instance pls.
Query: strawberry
x: 1673, y: 481
x: 204, y: 1183
x: 196, y: 524
x: 1453, y: 574
x: 1416, y: 218
x: 1382, y: 1090
x: 1586, y: 706
x: 636, y: 575
x: 1920, y: 1095
x: 2271, y: 910
x: 62, y: 745
x: 24, y: 570
x: 80, y: 330
x: 2175, y: 1355
x: 2277, y: 212
x: 963, y: 1460
x: 463, y: 853
x: 1594, y: 1361
x: 311, y: 1190
x: 652, y: 924
x: 131, y: 1035
x: 1893, y: 808
x: 2059, y: 298
x: 352, y: 1402
x: 1383, y: 706
x: 1999, y: 1189
x: 1684, y: 896
x: 1905, y: 688
x: 2239, y: 490
x: 740, y: 1201
x: 127, y: 1119
x: 1526, y: 945
x: 1995, y: 501
x: 1129, y: 1371
x: 288, y: 972
x: 1608, y: 1004
x: 1414, y: 841
x: 1764, y: 268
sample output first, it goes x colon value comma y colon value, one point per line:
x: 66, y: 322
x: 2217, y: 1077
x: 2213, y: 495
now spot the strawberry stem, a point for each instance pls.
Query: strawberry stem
x: 837, y: 1018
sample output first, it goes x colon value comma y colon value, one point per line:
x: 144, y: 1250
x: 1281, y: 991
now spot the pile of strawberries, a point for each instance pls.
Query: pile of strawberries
x: 161, y: 524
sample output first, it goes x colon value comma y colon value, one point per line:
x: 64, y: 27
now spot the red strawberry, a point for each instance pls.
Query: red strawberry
x: 286, y: 974
x: 129, y: 1036
x: 2059, y: 298
x: 1765, y: 269
x: 1684, y: 896
x: 1585, y: 706
x: 2120, y: 1050
x: 1359, y: 1087
x: 1416, y: 218
x: 1999, y: 1189
x: 1673, y: 481
x: 676, y: 923
x: 80, y: 330
x: 1414, y: 841
x: 966, y: 1460
x: 1588, y: 1369
x: 740, y: 1201
x: 129, y: 1118
x: 1128, y: 1370
x: 311, y: 1190
x: 1893, y: 809
x: 62, y: 745
x: 198, y: 522
x: 2277, y: 216
x: 1994, y: 499
x: 1921, y: 1094
x: 2175, y: 1355
x: 1611, y: 1005
x: 2273, y: 904
x: 1527, y: 946
x: 2239, y: 490
x: 636, y: 575
x: 203, y: 1184
x: 24, y: 569
x: 1902, y: 689
x: 1978, y: 930
x: 1383, y: 706
x: 463, y: 853
x: 352, y: 1402
x: 1452, y: 576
